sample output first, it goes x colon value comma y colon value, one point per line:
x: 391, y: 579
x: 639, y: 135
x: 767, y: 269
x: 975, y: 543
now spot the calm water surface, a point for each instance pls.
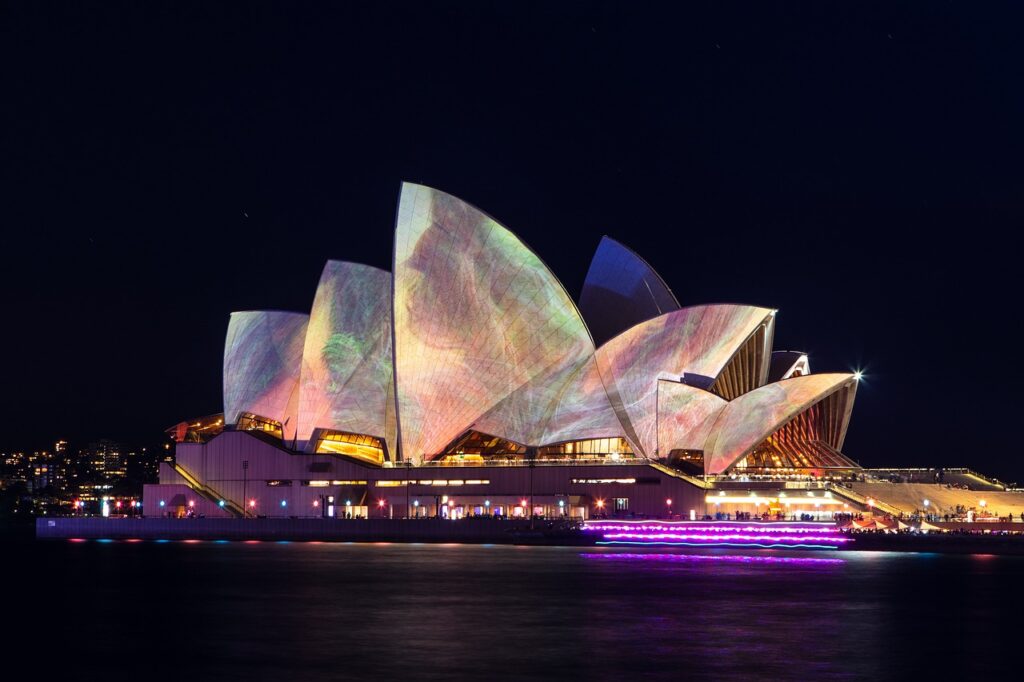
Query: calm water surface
x: 295, y: 611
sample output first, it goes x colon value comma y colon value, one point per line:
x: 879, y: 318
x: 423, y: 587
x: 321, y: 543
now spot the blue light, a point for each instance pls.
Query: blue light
x: 415, y: 503
x: 487, y: 503
x: 161, y: 503
x: 221, y: 503
x: 284, y: 503
x: 561, y: 503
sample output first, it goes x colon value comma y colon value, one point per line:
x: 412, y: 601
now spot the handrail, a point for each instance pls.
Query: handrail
x: 206, y: 491
x: 858, y: 498
x: 634, y: 461
x: 678, y: 474
x: 991, y: 480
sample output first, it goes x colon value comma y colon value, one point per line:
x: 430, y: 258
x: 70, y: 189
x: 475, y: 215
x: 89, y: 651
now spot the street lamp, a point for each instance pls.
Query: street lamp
x: 408, y: 468
x: 245, y: 484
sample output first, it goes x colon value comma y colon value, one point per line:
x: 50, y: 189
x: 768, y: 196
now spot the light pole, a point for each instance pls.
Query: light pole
x: 408, y: 469
x: 245, y: 486
x: 532, y: 454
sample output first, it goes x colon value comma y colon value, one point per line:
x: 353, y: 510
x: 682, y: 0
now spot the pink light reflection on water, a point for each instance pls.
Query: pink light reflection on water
x: 721, y: 558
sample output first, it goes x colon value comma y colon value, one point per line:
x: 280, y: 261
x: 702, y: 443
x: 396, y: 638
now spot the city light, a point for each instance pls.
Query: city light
x: 191, y: 503
x: 668, y: 502
x: 284, y: 503
x: 600, y: 504
x: 252, y: 503
x: 162, y: 503
x: 522, y: 503
x: 316, y: 503
x: 926, y: 503
x: 221, y: 503
x: 380, y: 503
x: 415, y: 503
x: 487, y: 503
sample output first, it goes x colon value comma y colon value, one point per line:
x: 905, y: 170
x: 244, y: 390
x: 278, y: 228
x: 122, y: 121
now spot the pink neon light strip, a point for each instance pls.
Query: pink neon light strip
x: 721, y: 537
x: 745, y: 529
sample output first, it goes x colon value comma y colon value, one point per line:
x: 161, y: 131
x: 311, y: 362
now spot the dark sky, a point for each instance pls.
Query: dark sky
x: 856, y: 165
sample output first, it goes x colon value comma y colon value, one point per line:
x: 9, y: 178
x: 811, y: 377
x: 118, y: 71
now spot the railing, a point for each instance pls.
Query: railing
x: 858, y: 498
x: 579, y: 461
x: 700, y: 483
x: 495, y: 462
x: 208, y: 492
x: 966, y: 471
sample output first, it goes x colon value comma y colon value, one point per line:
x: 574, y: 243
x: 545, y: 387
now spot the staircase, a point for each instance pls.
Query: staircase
x: 208, y: 493
x: 700, y: 483
x: 857, y: 498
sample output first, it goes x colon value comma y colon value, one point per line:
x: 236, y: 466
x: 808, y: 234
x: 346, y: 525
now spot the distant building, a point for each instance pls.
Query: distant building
x: 107, y: 460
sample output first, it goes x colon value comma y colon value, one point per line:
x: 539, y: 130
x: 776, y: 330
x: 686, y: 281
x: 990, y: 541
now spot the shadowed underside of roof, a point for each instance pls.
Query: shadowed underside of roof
x: 621, y: 290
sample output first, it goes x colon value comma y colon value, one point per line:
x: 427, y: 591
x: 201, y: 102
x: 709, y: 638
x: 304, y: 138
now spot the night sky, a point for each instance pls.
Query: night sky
x: 859, y: 167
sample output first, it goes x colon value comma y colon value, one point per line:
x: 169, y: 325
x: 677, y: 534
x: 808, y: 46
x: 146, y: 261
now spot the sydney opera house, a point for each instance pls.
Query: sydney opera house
x: 467, y: 382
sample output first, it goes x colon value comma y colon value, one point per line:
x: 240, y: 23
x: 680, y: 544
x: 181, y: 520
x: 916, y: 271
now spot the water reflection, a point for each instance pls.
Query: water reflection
x: 721, y: 558
x: 270, y: 611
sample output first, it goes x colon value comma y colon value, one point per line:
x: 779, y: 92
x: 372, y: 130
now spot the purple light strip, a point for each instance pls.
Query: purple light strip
x: 725, y: 558
x: 727, y: 528
x: 711, y: 524
x: 746, y: 545
x: 722, y: 537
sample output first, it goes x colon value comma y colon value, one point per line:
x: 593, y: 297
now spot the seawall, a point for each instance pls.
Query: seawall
x: 327, y: 530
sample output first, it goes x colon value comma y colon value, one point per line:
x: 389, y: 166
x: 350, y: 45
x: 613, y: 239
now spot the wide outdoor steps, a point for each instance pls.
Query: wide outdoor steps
x: 910, y: 497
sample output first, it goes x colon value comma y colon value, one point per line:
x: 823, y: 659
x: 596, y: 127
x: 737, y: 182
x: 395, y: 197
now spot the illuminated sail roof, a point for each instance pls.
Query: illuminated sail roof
x: 693, y: 345
x: 478, y: 317
x: 474, y: 338
x: 346, y: 381
x: 686, y: 416
x: 750, y: 419
x: 262, y: 357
